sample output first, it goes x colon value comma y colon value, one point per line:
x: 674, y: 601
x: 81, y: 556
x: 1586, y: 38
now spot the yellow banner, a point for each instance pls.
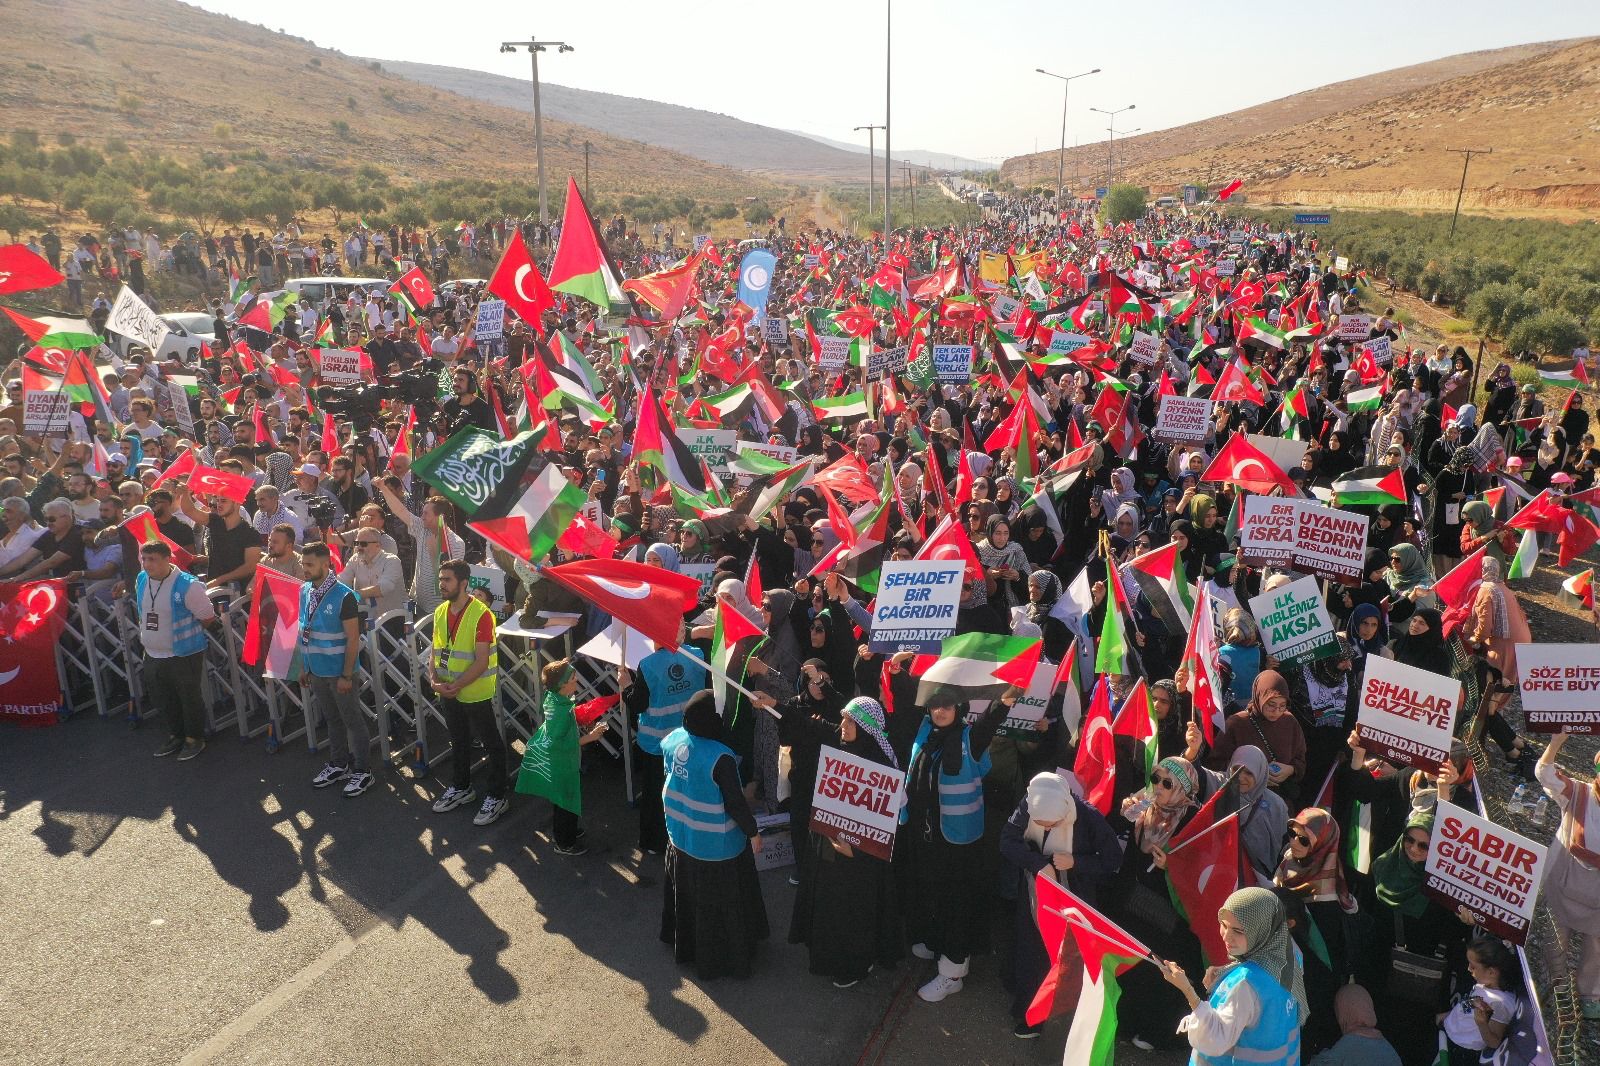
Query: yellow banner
x: 992, y: 268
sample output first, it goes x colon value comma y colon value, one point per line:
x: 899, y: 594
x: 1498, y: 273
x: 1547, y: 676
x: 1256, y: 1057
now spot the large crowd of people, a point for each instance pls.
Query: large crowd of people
x: 1315, y: 925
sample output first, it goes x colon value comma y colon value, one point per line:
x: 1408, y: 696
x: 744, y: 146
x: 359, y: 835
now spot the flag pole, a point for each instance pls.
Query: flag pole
x: 1212, y: 827
x: 1067, y: 916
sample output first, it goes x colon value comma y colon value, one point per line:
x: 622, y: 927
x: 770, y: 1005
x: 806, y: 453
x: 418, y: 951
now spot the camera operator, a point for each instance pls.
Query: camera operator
x: 466, y: 407
x: 342, y: 486
x: 308, y: 489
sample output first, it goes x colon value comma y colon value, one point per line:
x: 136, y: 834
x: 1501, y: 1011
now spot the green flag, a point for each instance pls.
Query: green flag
x: 477, y: 469
x: 550, y: 763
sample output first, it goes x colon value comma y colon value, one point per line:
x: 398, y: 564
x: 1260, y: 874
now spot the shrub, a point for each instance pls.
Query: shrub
x: 1123, y: 203
x: 1548, y: 333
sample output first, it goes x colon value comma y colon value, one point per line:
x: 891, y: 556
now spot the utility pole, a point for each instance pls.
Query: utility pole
x: 586, y: 170
x: 872, y: 161
x: 1061, y: 160
x: 1466, y: 160
x: 911, y: 184
x: 534, y: 47
x: 1112, y: 116
x: 888, y: 93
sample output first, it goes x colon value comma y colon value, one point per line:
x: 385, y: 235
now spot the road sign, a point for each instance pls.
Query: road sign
x: 1100, y: 193
x: 1311, y: 219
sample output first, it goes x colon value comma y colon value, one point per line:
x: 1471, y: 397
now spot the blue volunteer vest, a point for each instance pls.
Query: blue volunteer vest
x: 188, y: 635
x: 960, y: 794
x: 697, y: 822
x: 322, y: 639
x: 672, y: 678
x: 1274, y: 1040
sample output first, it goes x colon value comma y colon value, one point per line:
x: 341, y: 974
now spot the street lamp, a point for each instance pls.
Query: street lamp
x: 1112, y: 116
x: 1061, y: 160
x: 872, y: 160
x: 1126, y: 133
x: 888, y: 93
x: 534, y: 48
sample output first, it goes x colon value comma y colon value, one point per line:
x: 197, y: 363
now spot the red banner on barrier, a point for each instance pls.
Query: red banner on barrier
x: 32, y: 617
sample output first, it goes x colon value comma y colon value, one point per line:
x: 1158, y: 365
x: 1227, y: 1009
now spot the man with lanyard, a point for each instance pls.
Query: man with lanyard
x: 330, y: 640
x: 173, y: 607
x: 463, y: 671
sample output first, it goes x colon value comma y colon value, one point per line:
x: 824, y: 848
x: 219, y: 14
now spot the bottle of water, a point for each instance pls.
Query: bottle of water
x: 1518, y: 803
x: 1141, y: 803
x: 1540, y: 815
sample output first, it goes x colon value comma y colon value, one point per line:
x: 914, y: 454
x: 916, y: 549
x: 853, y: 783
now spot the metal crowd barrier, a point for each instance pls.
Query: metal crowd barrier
x: 100, y: 645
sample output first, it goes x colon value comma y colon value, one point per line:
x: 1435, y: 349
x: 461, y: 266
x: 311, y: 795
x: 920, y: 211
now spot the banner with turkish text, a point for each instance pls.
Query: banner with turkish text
x: 32, y: 617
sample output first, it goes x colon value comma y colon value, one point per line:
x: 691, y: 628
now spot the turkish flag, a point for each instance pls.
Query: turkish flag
x: 209, y: 481
x: 648, y: 598
x: 1243, y: 464
x: 32, y: 617
x: 415, y: 284
x: 518, y: 282
x: 180, y: 469
x: 1203, y: 867
x: 53, y: 360
x: 584, y: 537
x: 856, y: 321
x: 22, y: 270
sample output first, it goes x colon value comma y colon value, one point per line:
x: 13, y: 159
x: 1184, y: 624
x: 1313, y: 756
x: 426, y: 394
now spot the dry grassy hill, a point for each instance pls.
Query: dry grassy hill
x: 164, y: 76
x: 1379, y: 140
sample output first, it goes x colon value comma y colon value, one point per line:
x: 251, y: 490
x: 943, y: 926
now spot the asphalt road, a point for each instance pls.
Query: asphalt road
x: 223, y: 911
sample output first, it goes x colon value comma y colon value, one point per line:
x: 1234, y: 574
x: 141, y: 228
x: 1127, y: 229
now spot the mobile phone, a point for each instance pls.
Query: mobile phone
x: 600, y: 475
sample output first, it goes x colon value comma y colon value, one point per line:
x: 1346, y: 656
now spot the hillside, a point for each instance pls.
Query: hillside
x: 1379, y: 140
x: 705, y: 135
x: 919, y: 157
x: 164, y: 76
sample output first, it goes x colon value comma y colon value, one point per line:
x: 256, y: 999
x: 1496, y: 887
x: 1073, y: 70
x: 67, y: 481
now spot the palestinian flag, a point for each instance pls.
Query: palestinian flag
x: 1111, y: 654
x: 477, y: 470
x: 1294, y: 402
x: 1137, y: 721
x: 1370, y: 485
x: 143, y: 529
x: 863, y: 537
x: 267, y: 311
x: 582, y: 267
x: 729, y: 403
x: 272, y: 635
x: 976, y: 666
x: 83, y: 386
x: 1017, y: 432
x: 887, y: 288
x: 657, y: 445
x: 1107, y: 951
x: 569, y: 356
x: 1526, y: 561
x: 324, y: 337
x: 731, y: 627
x: 51, y: 332
x: 769, y: 486
x: 558, y: 387
x: 1262, y: 332
x: 1368, y: 399
x: 237, y: 286
x: 1578, y: 375
x: 1578, y: 590
x: 849, y: 405
x: 530, y: 527
x: 1163, y: 582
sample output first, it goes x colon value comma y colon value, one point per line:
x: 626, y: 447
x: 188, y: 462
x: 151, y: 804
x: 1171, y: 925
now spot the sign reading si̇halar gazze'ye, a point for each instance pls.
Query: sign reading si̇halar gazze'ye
x: 1560, y: 687
x: 1406, y: 715
x: 856, y: 802
x: 1474, y: 863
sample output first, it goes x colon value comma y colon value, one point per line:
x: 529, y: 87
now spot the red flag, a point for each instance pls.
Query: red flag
x: 415, y: 284
x: 1577, y: 535
x: 1229, y: 189
x: 142, y: 527
x: 1203, y: 867
x: 584, y: 537
x: 1366, y: 366
x: 849, y: 478
x: 32, y: 617
x: 1096, y: 764
x: 1458, y: 589
x: 1243, y: 464
x: 648, y: 598
x: 22, y: 270
x: 209, y: 481
x: 1200, y: 658
x: 402, y: 440
x: 518, y: 282
x: 1060, y: 913
x: 182, y: 468
x: 263, y: 436
x: 1235, y: 386
x: 330, y: 434
x: 668, y: 291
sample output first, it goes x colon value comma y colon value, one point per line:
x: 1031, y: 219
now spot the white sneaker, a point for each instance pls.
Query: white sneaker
x: 453, y: 797
x: 492, y: 808
x: 329, y: 775
x: 359, y: 782
x: 922, y: 951
x: 939, y: 988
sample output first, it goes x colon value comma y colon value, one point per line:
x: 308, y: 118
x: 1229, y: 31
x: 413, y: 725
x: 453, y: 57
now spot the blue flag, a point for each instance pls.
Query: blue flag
x: 755, y: 279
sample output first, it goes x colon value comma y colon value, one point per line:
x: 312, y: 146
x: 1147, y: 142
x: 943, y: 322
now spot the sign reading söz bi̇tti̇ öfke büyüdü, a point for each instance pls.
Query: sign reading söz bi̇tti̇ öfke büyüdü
x: 1560, y: 687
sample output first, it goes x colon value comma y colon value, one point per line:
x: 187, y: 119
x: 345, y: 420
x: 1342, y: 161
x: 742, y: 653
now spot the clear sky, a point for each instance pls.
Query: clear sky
x: 964, y: 78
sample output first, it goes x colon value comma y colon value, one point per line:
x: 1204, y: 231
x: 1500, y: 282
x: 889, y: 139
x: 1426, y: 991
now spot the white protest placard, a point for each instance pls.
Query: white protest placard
x: 811, y: 262
x: 1474, y: 862
x: 916, y: 605
x: 1145, y: 349
x: 784, y: 453
x: 133, y: 318
x: 1354, y: 327
x: 1067, y: 343
x: 45, y: 413
x: 1267, y: 530
x: 1560, y: 687
x: 1405, y: 715
x: 700, y: 239
x: 1182, y: 419
x: 713, y: 445
x: 1225, y: 268
x: 592, y: 510
x: 1284, y: 453
x: 491, y: 322
x: 701, y: 572
x: 1294, y: 622
x: 835, y: 353
x: 885, y: 361
x: 178, y: 386
x: 340, y: 366
x: 775, y: 330
x: 1341, y: 264
x: 856, y: 802
x: 1237, y: 236
x: 492, y: 578
x: 1307, y: 535
x: 1023, y: 719
x: 1382, y: 352
x: 952, y: 362
x: 1201, y: 240
x: 1005, y: 307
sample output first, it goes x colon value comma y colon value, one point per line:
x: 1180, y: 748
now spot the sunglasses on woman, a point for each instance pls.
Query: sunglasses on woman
x: 1413, y: 842
x: 1163, y: 782
x: 1302, y: 839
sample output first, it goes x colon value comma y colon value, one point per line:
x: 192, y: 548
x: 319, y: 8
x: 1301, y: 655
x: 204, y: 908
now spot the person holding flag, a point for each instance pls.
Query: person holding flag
x: 464, y: 672
x: 330, y: 641
x: 655, y: 696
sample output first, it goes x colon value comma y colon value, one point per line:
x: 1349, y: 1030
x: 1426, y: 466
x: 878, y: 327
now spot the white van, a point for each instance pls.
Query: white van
x: 316, y: 289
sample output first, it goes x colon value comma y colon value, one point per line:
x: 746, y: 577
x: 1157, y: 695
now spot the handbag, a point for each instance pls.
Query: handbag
x: 1146, y: 905
x: 1413, y: 977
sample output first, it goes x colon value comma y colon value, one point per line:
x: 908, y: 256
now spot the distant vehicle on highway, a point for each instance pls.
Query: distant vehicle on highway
x: 318, y: 289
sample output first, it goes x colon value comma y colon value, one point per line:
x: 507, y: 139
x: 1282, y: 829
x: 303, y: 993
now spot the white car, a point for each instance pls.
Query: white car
x: 317, y: 289
x: 189, y: 329
x: 455, y: 284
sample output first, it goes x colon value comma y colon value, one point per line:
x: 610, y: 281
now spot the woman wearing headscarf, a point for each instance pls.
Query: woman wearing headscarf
x: 1571, y: 887
x: 1124, y: 489
x: 805, y: 722
x: 1005, y: 497
x: 655, y: 696
x: 1207, y: 539
x: 1452, y: 488
x: 1361, y: 1043
x: 1408, y: 580
x: 1140, y: 900
x: 1124, y: 531
x: 713, y: 913
x: 1005, y: 565
x: 1038, y: 540
x: 1240, y: 655
x: 1501, y: 390
x: 1335, y: 460
x: 847, y: 911
x: 1482, y: 531
x: 1422, y: 644
x: 939, y: 843
x: 1257, y: 1004
x: 1497, y: 625
x: 1312, y: 874
x: 1051, y: 830
x: 1263, y: 815
x: 1268, y: 723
